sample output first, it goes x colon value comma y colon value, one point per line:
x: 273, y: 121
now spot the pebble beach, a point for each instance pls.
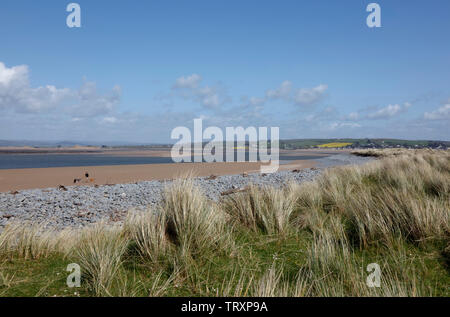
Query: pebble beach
x: 77, y: 206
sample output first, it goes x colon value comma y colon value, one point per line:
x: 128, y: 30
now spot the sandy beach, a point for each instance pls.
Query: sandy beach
x: 30, y: 178
x: 19, y: 179
x: 109, y: 192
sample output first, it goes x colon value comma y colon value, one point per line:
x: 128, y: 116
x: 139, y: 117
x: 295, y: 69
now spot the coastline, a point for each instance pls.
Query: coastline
x: 52, y: 177
x: 75, y: 206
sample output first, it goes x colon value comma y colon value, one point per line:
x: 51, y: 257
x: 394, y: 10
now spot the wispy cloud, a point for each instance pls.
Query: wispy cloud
x: 442, y: 113
x: 377, y: 113
x: 389, y: 111
x: 300, y: 96
x: 282, y: 92
x: 339, y: 125
x: 310, y: 96
x: 191, y: 81
x: 189, y: 87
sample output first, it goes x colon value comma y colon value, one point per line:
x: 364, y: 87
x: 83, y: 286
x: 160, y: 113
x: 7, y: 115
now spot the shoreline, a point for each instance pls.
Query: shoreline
x: 78, y: 206
x: 17, y: 179
x: 52, y: 177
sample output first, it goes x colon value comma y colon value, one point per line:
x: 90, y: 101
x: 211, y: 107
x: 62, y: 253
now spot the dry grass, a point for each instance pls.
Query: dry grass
x: 398, y: 152
x: 99, y: 253
x: 266, y: 209
x: 405, y: 196
x: 148, y: 231
x: 6, y: 281
x: 192, y: 222
x: 31, y: 241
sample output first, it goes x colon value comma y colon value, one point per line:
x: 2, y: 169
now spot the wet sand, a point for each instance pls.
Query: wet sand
x: 30, y: 178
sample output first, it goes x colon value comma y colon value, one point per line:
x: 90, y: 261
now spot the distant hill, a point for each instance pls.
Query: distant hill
x: 52, y: 144
x: 362, y: 143
x: 284, y: 144
x: 40, y: 143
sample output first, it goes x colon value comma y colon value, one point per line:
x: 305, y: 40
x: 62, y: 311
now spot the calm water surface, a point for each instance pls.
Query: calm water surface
x: 12, y: 161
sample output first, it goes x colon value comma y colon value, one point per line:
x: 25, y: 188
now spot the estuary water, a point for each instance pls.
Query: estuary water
x: 16, y: 161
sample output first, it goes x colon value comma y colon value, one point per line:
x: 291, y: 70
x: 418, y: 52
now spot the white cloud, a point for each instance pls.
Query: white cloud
x: 254, y: 101
x: 350, y: 125
x: 310, y: 96
x: 47, y: 112
x: 443, y: 113
x: 17, y: 75
x: 301, y: 96
x: 109, y: 120
x: 87, y: 101
x: 353, y: 116
x: 389, y: 111
x: 189, y: 88
x: 191, y: 81
x: 208, y: 97
x: 340, y: 125
x: 282, y: 92
x: 17, y: 95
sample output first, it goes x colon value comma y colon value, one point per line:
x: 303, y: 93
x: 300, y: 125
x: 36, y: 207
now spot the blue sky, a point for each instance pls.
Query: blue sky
x: 136, y: 70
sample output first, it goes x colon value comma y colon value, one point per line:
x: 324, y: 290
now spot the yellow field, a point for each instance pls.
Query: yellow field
x: 335, y: 144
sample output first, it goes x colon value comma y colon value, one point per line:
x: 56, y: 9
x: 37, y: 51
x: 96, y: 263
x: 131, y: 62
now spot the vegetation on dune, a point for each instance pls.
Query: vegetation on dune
x: 400, y: 152
x: 313, y: 239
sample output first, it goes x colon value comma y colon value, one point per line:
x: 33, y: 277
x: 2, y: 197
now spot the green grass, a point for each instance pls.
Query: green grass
x: 210, y: 275
x: 43, y: 277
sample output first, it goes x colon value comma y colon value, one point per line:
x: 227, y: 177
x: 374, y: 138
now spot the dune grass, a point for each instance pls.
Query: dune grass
x: 267, y: 210
x: 313, y: 239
